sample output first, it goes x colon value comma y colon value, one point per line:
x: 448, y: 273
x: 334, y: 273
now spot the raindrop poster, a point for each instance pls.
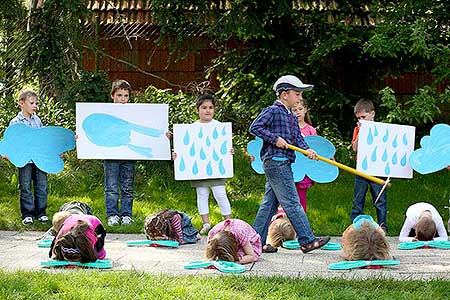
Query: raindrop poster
x: 131, y: 131
x: 203, y: 150
x: 384, y: 149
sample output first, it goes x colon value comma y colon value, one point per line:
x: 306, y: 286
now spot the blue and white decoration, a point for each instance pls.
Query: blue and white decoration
x: 384, y: 149
x: 43, y: 146
x: 434, y: 154
x: 122, y: 131
x: 203, y: 150
x: 318, y: 171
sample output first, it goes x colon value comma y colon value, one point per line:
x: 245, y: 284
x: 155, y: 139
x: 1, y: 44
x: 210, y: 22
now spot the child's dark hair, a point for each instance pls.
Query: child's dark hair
x: 120, y: 84
x: 425, y: 229
x: 223, y: 246
x: 204, y: 98
x: 159, y: 226
x: 364, y: 105
x: 75, y: 246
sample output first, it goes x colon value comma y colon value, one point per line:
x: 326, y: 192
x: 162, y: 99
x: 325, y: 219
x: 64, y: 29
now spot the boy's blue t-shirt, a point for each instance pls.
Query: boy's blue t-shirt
x: 33, y: 121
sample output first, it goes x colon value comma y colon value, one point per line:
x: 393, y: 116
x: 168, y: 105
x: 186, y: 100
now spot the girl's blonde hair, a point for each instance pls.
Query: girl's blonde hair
x: 58, y: 219
x: 159, y: 226
x: 366, y: 243
x: 280, y: 230
x: 223, y: 246
x: 305, y: 105
x: 75, y: 246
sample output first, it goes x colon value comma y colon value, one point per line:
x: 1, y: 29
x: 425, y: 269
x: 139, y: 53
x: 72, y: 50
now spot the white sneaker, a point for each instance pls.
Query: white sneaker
x: 27, y: 221
x: 113, y: 220
x: 126, y: 220
x: 43, y: 219
x: 205, y: 229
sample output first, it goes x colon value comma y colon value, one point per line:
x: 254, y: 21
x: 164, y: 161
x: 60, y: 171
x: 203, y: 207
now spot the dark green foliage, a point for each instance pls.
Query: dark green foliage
x: 90, y: 87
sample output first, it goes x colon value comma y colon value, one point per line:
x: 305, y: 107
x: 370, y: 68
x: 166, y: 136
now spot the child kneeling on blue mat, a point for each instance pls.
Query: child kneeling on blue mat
x: 169, y: 224
x: 365, y: 240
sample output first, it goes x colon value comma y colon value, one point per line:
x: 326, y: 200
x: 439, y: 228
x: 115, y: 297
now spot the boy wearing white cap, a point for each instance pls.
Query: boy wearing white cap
x: 277, y: 126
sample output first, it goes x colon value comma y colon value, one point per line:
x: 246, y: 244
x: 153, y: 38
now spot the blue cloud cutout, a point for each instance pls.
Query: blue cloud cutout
x: 43, y: 146
x: 434, y: 154
x: 317, y: 170
x: 110, y: 131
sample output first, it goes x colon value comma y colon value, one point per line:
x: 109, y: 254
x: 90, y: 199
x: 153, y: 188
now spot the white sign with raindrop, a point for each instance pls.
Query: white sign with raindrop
x: 384, y: 149
x: 203, y: 150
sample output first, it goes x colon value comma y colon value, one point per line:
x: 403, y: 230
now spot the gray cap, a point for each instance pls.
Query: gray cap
x: 290, y: 82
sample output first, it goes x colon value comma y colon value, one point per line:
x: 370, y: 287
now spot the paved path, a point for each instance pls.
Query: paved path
x: 19, y: 251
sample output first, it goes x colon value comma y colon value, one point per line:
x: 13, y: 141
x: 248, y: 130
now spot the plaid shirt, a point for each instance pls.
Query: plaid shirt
x: 33, y: 121
x: 273, y: 122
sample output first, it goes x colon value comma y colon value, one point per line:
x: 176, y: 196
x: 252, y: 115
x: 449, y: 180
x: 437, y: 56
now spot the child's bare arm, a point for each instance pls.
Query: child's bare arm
x: 249, y: 256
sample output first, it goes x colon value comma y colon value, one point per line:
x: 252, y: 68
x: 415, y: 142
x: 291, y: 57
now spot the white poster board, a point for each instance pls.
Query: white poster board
x: 122, y: 131
x: 203, y: 150
x: 384, y: 149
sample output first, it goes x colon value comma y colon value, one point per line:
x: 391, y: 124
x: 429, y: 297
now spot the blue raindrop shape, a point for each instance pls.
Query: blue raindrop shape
x: 370, y: 137
x: 223, y: 148
x: 394, y: 142
x: 202, y: 154
x: 385, y: 156
x: 224, y: 132
x: 386, y: 136
x: 215, y: 156
x: 186, y: 138
x: 208, y: 142
x: 192, y: 151
x: 365, y: 164
x: 375, y: 131
x: 387, y: 170
x: 221, y: 167
x: 195, y: 168
x: 403, y: 161
x: 374, y: 155
x: 405, y: 140
x: 215, y: 133
x: 200, y: 133
x: 209, y: 170
x: 182, y: 165
x: 394, y: 158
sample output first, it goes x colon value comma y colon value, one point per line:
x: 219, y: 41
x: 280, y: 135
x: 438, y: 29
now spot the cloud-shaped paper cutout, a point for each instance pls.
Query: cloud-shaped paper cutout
x: 43, y: 146
x: 434, y: 154
x: 110, y: 131
x: 318, y: 171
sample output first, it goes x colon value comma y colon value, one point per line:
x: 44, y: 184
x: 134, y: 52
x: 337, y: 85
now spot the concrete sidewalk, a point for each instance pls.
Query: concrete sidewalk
x: 19, y: 251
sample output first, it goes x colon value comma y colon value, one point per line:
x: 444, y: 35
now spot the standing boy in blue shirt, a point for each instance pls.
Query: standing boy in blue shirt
x: 277, y: 126
x: 119, y: 172
x: 31, y: 206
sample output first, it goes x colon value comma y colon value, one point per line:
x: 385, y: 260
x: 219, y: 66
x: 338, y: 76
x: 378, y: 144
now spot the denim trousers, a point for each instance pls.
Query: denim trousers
x: 119, y: 173
x: 361, y: 187
x: 31, y: 177
x: 280, y: 190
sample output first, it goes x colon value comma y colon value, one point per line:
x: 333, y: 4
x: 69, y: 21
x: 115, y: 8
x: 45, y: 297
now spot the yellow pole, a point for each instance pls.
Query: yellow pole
x: 341, y: 166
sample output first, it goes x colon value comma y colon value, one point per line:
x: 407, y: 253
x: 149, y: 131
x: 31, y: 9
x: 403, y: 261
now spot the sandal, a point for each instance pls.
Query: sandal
x: 316, y: 244
x: 268, y: 248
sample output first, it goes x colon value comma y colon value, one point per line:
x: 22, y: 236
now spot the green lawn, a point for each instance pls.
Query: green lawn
x: 329, y: 205
x: 86, y: 284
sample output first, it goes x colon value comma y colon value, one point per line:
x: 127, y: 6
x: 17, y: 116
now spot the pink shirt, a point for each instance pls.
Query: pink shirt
x: 308, y: 130
x: 243, y: 233
x: 93, y: 222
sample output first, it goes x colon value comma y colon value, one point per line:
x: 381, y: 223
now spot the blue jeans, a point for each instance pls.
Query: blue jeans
x: 119, y: 172
x: 280, y: 190
x: 361, y: 186
x: 33, y: 206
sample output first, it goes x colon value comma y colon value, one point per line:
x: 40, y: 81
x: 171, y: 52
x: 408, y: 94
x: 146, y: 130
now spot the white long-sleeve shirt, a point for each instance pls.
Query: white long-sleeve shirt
x: 412, y: 217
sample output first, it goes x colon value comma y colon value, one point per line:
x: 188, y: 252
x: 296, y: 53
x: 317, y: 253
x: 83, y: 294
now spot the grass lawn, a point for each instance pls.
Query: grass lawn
x: 85, y: 284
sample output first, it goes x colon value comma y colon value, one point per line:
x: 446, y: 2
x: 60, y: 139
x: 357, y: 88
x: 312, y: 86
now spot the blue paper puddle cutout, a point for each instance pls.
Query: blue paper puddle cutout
x: 209, y: 169
x: 22, y: 144
x: 373, y: 157
x: 221, y: 167
x: 215, y: 155
x: 403, y: 161
x: 182, y: 165
x: 405, y: 140
x: 387, y: 170
x: 215, y: 134
x: 370, y: 137
x: 385, y: 155
x: 394, y: 142
x: 386, y: 136
x: 110, y: 131
x: 208, y: 142
x: 200, y: 133
x: 394, y: 158
x: 192, y: 151
x: 223, y: 148
x: 365, y: 164
x: 224, y: 132
x: 195, y: 168
x: 375, y: 132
